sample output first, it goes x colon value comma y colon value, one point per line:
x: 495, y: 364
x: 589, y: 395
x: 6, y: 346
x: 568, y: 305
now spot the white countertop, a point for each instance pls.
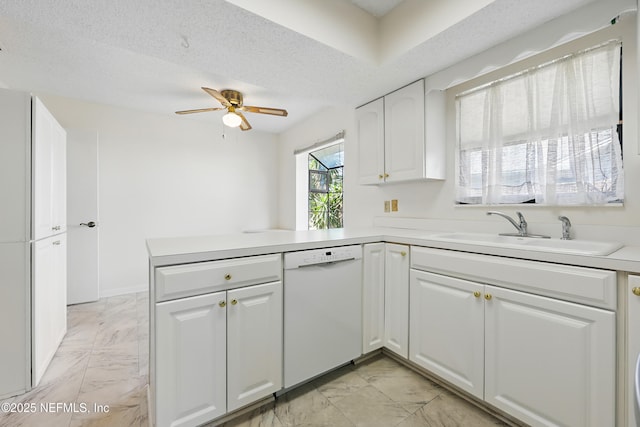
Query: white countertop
x: 182, y: 250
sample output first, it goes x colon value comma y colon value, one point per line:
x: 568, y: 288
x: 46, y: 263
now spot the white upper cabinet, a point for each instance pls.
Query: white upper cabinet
x: 391, y: 135
x: 49, y: 173
x: 370, y: 123
x: 404, y: 133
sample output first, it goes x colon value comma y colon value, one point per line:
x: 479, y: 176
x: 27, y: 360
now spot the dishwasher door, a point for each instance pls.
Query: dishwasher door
x: 322, y: 318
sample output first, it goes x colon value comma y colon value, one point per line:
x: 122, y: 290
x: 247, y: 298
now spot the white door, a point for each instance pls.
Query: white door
x: 549, y: 362
x: 82, y: 208
x: 396, y: 299
x: 191, y: 360
x: 447, y: 329
x: 254, y: 343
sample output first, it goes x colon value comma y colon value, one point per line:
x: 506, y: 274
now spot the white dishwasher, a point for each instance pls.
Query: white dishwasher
x: 322, y: 311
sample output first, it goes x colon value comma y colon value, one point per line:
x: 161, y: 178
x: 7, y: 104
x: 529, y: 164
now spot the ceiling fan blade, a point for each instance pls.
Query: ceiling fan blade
x: 245, y: 124
x: 217, y: 95
x: 200, y: 110
x: 265, y: 110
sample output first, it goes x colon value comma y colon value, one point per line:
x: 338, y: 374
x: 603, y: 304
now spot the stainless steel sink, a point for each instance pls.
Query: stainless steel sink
x: 575, y: 247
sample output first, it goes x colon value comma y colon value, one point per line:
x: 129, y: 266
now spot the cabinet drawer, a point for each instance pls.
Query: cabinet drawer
x: 577, y: 284
x: 194, y: 279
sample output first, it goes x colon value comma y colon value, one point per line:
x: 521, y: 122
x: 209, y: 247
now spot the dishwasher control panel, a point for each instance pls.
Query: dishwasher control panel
x: 321, y: 256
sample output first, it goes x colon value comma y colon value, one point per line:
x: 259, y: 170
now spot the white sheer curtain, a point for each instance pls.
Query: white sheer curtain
x: 546, y: 135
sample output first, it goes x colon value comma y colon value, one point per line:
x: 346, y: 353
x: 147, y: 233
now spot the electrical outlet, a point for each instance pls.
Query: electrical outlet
x: 387, y: 206
x: 394, y: 205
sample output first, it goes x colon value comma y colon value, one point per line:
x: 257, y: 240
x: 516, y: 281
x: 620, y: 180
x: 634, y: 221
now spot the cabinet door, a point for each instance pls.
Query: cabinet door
x: 373, y: 297
x: 370, y: 123
x: 42, y: 158
x: 190, y: 360
x: 254, y: 343
x: 549, y: 362
x: 404, y: 133
x: 49, y: 302
x: 59, y: 178
x: 447, y: 329
x: 49, y: 173
x: 633, y: 351
x: 396, y: 299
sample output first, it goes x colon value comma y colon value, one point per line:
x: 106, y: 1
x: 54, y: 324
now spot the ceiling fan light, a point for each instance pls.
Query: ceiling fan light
x: 232, y: 120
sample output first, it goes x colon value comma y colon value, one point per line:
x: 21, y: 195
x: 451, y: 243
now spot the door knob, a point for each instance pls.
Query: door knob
x: 89, y: 224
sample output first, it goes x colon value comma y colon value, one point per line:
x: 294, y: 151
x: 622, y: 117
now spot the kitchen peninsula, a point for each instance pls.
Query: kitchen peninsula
x: 563, y: 315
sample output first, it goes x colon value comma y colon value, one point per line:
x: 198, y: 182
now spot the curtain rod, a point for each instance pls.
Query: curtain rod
x: 336, y: 137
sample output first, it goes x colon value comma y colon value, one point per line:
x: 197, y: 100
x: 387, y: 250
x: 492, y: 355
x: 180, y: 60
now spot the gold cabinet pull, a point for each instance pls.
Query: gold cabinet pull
x: 487, y: 296
x: 227, y: 277
x: 476, y: 294
x: 386, y: 175
x: 636, y: 291
x: 222, y: 303
x: 403, y: 253
x: 234, y: 301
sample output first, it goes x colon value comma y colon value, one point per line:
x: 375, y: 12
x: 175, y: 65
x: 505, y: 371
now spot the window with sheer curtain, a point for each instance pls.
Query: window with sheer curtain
x: 549, y: 135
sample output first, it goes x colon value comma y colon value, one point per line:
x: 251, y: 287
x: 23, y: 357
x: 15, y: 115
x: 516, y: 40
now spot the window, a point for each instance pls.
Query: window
x: 325, y: 187
x: 549, y: 135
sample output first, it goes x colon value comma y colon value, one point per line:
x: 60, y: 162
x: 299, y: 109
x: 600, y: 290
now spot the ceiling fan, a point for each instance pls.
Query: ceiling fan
x: 231, y: 100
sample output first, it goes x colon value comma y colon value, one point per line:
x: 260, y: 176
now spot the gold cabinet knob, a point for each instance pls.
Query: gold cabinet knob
x: 487, y: 296
x: 476, y: 294
x: 403, y: 253
x: 222, y: 303
x: 386, y: 175
x: 636, y: 291
x: 380, y: 176
x: 227, y: 277
x: 234, y: 301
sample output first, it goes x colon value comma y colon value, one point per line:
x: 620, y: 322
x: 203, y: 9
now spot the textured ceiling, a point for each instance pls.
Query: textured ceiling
x: 154, y: 55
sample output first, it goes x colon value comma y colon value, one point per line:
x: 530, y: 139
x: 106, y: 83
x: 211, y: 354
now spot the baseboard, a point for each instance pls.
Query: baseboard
x: 106, y: 293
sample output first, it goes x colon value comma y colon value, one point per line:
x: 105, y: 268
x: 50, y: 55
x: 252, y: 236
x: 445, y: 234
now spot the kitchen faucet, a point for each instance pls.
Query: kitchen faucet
x: 521, y: 226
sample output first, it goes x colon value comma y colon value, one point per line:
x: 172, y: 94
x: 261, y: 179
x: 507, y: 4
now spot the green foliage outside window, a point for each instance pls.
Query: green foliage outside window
x: 325, y: 196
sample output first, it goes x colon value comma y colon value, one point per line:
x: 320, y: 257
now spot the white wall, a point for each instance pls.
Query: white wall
x: 321, y: 126
x: 169, y: 176
x: 364, y: 205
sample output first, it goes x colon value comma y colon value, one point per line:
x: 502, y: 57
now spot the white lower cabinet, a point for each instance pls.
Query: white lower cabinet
x: 373, y: 297
x: 544, y: 361
x: 396, y: 299
x: 216, y: 353
x: 447, y: 329
x: 549, y: 362
x: 633, y: 351
x: 254, y: 343
x: 49, y: 301
x: 385, y: 298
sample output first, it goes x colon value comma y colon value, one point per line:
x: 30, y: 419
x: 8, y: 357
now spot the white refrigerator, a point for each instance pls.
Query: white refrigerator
x: 32, y: 240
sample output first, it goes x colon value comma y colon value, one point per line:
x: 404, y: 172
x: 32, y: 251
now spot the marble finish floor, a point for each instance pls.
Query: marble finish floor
x: 103, y: 360
x: 379, y: 392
